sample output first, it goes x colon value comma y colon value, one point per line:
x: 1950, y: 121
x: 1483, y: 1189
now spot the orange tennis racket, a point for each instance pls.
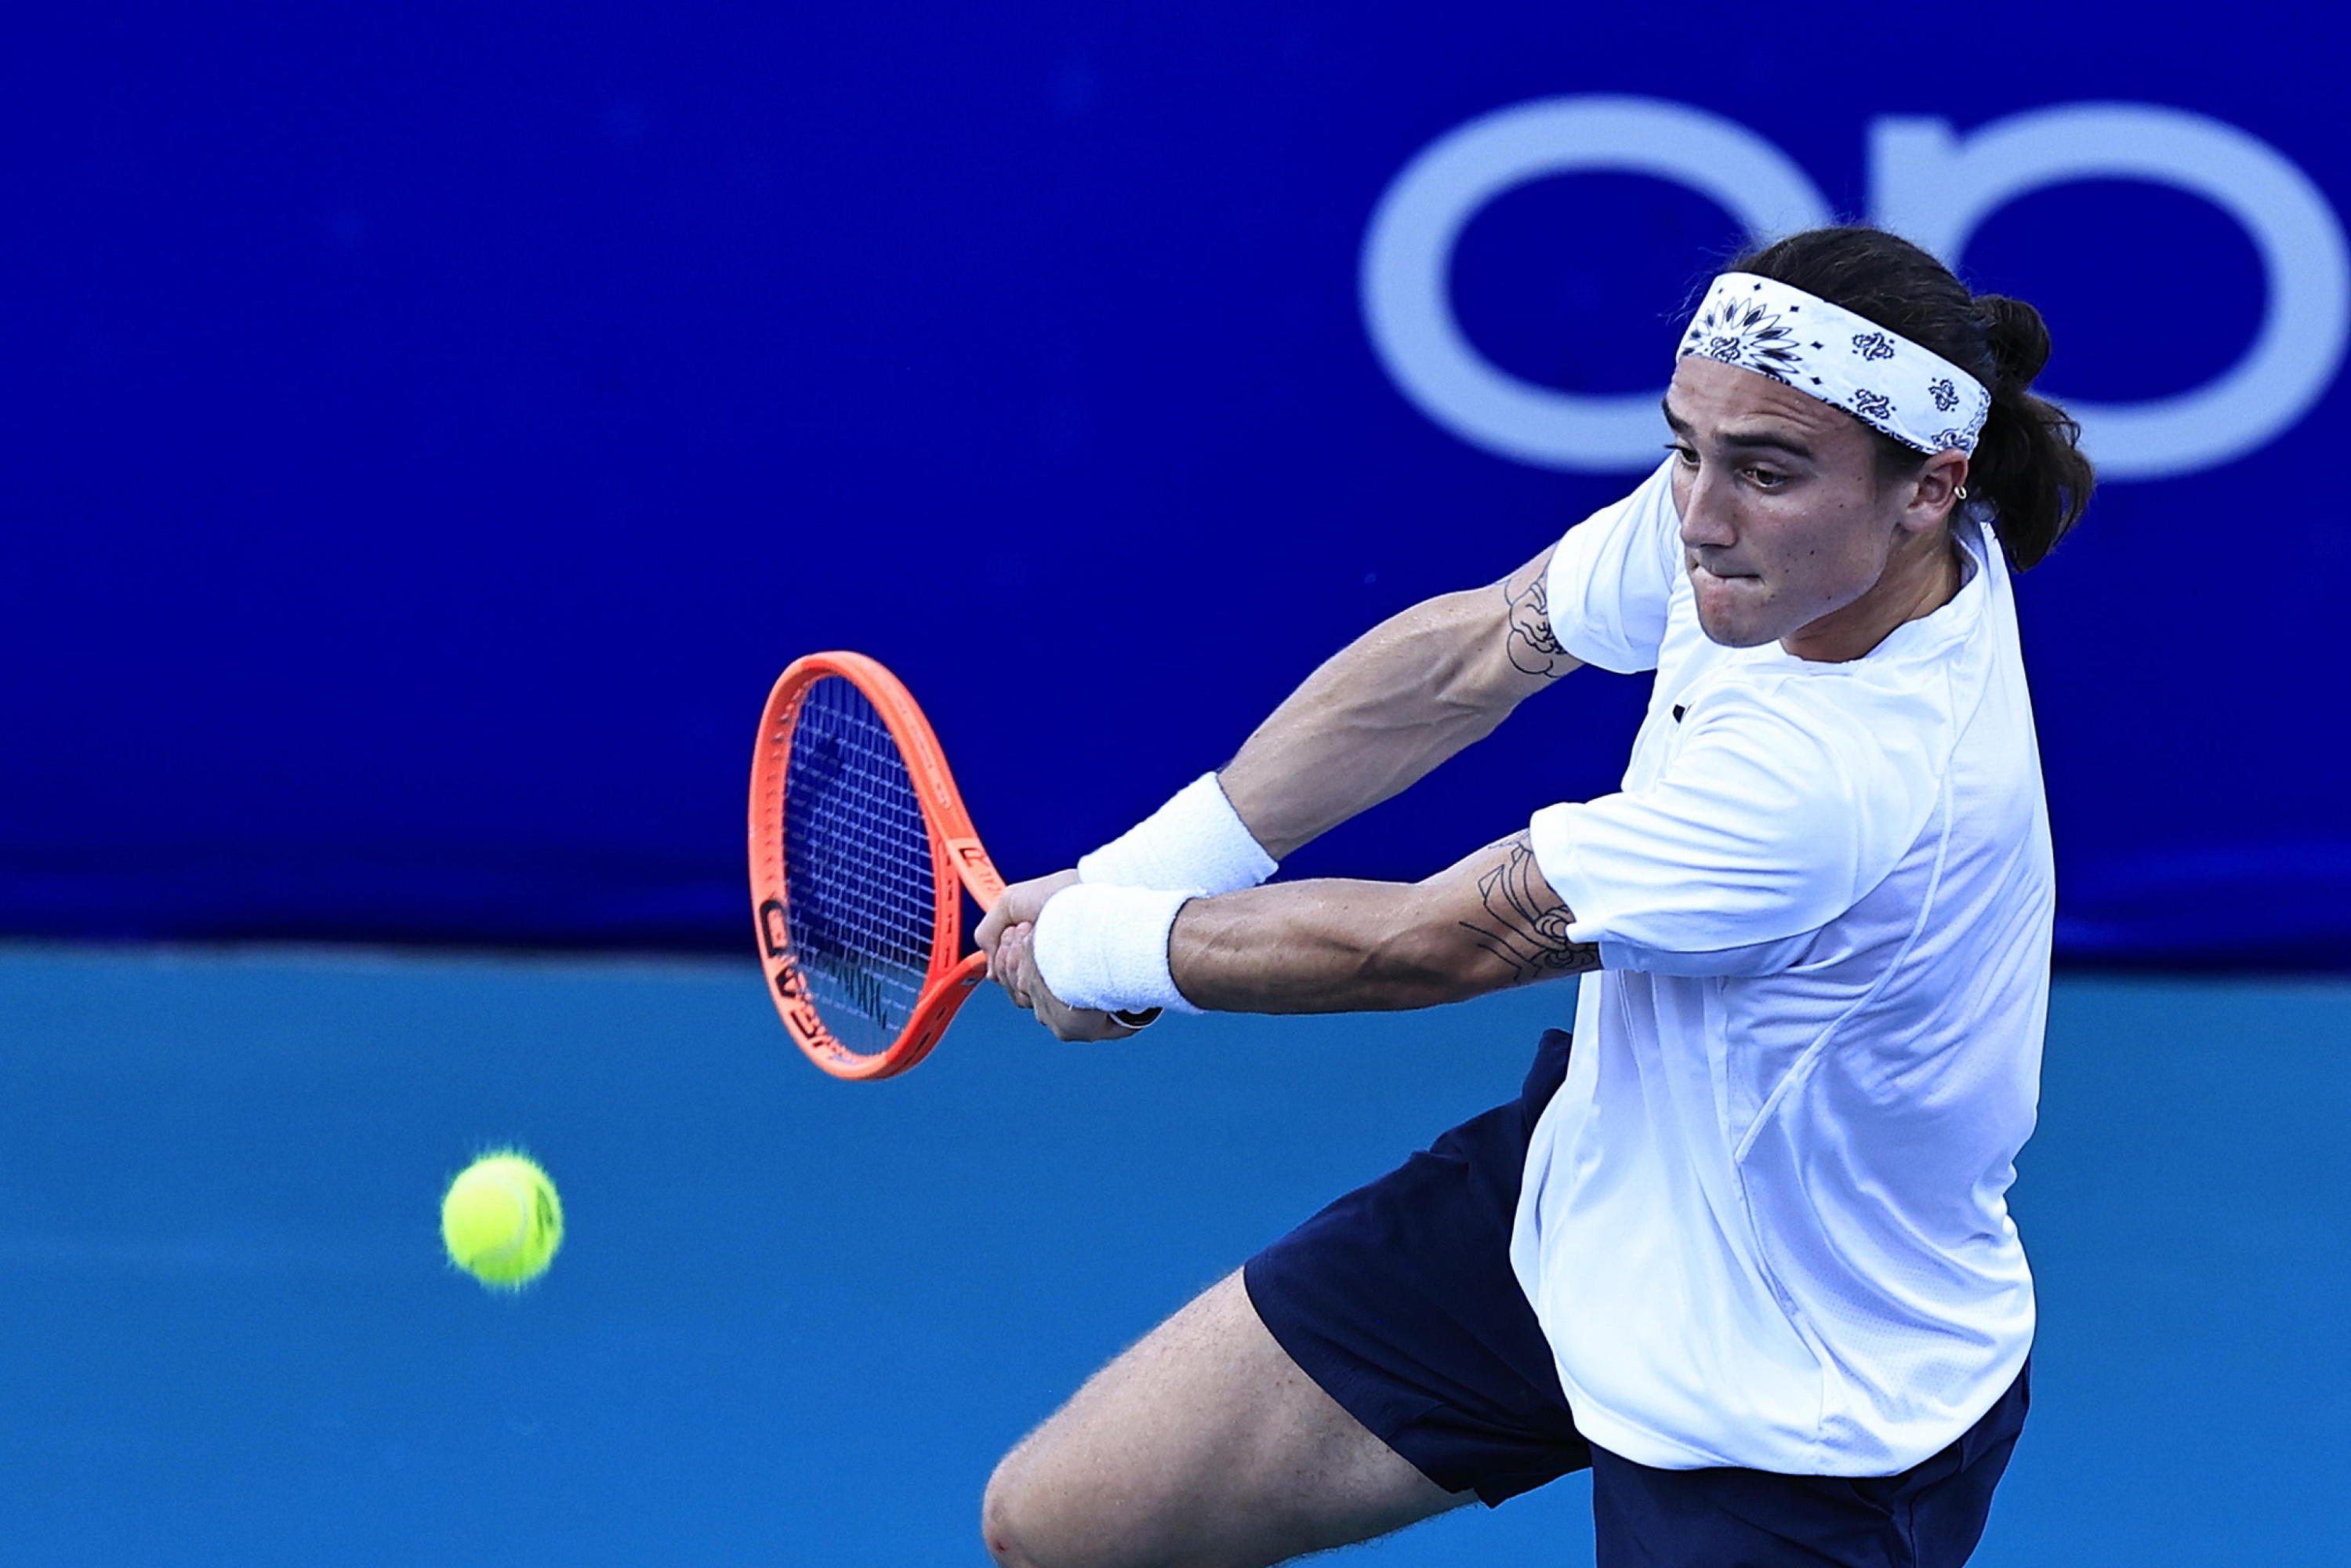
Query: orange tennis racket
x: 861, y: 853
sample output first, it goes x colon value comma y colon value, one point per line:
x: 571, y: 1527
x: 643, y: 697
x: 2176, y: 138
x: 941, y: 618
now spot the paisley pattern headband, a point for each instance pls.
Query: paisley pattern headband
x: 1848, y: 362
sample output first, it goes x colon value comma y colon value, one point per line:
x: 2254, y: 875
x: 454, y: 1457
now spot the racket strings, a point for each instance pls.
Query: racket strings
x: 860, y: 907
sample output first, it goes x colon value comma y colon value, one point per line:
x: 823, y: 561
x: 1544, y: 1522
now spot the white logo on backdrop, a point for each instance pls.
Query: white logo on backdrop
x: 1927, y: 182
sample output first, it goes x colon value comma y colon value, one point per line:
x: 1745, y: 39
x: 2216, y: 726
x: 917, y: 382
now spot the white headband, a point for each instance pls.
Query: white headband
x: 1848, y: 362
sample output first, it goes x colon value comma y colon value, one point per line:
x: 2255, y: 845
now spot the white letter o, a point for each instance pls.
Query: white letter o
x: 1935, y: 188
x: 1408, y: 252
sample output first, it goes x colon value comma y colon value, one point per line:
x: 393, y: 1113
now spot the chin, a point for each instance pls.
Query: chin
x: 1734, y: 636
x: 1730, y: 630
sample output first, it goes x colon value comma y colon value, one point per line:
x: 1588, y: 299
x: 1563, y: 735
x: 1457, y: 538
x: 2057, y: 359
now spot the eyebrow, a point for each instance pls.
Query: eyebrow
x: 1761, y: 439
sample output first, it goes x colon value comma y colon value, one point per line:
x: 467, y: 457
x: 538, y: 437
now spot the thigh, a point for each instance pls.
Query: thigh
x: 1203, y: 1444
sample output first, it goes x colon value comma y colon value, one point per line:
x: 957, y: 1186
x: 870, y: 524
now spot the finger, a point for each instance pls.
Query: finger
x: 991, y: 928
x: 1011, y: 965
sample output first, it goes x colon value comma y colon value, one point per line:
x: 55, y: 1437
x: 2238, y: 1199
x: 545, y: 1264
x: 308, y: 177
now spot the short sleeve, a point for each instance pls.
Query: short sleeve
x: 1612, y: 576
x: 1778, y: 811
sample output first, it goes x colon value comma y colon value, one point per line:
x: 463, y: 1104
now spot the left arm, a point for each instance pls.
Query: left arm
x: 1487, y: 923
x: 1375, y: 718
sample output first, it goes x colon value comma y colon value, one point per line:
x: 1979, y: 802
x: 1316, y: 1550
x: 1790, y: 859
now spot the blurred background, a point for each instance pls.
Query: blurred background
x: 429, y: 431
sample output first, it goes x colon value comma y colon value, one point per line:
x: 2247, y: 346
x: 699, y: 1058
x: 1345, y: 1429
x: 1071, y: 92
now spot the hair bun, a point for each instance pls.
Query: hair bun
x: 2019, y: 339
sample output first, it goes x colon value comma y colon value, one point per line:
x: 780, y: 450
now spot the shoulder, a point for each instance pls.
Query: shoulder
x: 1762, y: 816
x: 1647, y: 519
x: 1838, y: 751
x: 1612, y: 575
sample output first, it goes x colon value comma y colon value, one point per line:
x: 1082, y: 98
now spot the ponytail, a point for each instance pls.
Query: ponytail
x: 2028, y: 463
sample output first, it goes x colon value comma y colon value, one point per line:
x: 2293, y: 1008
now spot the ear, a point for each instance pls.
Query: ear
x: 1935, y: 491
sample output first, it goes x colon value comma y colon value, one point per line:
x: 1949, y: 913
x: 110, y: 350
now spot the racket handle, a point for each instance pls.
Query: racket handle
x: 1142, y: 1020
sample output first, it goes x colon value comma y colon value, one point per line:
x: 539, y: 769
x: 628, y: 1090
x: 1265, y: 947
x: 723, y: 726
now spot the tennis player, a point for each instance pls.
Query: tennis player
x: 1743, y: 1246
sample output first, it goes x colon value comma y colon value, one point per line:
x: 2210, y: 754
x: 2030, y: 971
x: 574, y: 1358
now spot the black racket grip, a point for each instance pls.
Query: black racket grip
x: 1142, y: 1020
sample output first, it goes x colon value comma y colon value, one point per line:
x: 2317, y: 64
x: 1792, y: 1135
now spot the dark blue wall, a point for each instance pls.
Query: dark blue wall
x: 429, y: 430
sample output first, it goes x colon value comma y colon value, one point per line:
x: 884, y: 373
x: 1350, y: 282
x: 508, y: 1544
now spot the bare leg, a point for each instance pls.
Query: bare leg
x: 1203, y: 1446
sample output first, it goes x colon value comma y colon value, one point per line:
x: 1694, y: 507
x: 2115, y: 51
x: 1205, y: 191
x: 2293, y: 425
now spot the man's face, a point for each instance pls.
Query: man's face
x: 1783, y: 519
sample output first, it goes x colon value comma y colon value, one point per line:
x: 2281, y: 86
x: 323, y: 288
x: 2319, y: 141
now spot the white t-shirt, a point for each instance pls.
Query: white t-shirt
x: 1764, y: 1223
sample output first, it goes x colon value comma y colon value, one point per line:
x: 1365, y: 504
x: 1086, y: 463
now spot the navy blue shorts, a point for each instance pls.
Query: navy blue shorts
x: 1399, y: 1301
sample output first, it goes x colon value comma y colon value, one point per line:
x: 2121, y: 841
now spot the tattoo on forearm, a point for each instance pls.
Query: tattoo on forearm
x: 1532, y: 647
x: 1526, y: 924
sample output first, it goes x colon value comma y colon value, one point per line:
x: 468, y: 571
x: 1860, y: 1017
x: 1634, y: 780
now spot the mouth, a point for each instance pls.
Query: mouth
x: 1700, y: 572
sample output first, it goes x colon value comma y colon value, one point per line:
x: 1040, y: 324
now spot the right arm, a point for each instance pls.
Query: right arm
x: 1392, y: 705
x: 1489, y: 922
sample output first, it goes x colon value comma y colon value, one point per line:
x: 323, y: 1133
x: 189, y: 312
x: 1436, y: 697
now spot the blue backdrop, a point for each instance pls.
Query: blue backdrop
x: 430, y: 428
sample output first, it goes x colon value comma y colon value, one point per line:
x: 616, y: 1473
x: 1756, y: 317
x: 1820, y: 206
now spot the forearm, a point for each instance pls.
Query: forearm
x: 1485, y: 924
x: 1319, y: 946
x: 1392, y: 706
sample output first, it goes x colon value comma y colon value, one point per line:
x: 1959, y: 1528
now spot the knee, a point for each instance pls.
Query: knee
x: 1030, y: 1518
x: 1007, y: 1518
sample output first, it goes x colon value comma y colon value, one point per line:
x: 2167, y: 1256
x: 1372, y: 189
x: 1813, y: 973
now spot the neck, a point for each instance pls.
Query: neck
x: 1920, y: 576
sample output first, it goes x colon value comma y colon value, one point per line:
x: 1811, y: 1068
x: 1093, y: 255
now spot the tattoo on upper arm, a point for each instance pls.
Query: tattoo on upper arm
x: 1532, y: 648
x: 1526, y: 922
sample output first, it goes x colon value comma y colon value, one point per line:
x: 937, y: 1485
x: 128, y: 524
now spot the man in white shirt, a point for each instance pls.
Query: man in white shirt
x: 1742, y: 1250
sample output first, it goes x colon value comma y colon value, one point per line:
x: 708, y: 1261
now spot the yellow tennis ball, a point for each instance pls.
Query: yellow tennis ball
x: 502, y: 1221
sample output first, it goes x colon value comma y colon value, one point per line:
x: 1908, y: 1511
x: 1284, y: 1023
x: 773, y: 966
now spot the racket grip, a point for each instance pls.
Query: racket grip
x: 1142, y: 1020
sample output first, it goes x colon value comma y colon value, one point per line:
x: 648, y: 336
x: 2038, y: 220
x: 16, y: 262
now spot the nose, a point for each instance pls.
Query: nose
x: 1706, y: 510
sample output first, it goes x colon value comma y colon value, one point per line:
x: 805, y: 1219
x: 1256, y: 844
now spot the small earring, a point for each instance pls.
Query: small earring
x: 1961, y: 494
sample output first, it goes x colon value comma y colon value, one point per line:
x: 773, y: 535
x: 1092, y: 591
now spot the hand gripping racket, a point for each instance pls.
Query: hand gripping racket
x: 861, y: 853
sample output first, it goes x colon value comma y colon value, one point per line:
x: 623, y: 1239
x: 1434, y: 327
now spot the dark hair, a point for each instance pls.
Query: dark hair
x: 2027, y: 463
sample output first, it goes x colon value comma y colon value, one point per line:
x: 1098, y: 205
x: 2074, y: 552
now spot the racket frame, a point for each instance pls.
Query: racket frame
x: 958, y: 862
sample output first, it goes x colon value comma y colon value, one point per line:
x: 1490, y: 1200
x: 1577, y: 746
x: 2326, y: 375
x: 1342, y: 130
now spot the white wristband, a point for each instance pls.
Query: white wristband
x: 1106, y: 947
x: 1196, y: 843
